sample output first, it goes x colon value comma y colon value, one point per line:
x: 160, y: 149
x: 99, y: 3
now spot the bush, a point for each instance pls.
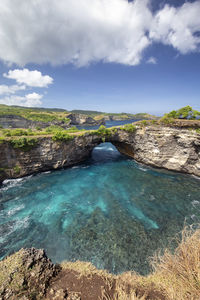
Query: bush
x: 62, y: 136
x: 2, y: 139
x: 128, y: 128
x: 167, y: 120
x: 144, y: 123
x: 24, y: 143
x: 103, y: 131
x: 53, y: 129
x: 15, y: 132
x: 185, y: 112
x: 17, y: 169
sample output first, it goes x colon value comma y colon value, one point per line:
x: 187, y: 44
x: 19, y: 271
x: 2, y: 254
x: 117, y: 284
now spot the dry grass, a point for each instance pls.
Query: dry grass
x: 175, y: 276
x: 179, y: 274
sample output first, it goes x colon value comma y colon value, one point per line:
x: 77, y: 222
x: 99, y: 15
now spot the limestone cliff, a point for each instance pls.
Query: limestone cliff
x: 14, y: 121
x: 164, y: 147
x: 80, y: 119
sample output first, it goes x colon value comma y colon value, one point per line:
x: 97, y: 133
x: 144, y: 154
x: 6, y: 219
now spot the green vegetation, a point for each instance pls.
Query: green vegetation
x: 103, y: 131
x: 36, y: 132
x: 166, y: 120
x: 184, y: 113
x: 35, y: 114
x: 17, y: 169
x: 97, y: 115
x: 24, y: 143
x: 128, y: 128
x: 2, y: 139
x: 62, y: 136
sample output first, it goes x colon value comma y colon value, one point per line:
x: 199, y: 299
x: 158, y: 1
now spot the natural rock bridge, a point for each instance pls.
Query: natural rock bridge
x: 164, y: 147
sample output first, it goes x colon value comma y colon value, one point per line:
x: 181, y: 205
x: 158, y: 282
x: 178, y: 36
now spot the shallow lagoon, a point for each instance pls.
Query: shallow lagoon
x: 110, y: 210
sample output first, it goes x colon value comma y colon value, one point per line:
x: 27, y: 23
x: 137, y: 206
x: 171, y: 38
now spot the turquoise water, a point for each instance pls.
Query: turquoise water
x: 110, y: 210
x: 108, y: 124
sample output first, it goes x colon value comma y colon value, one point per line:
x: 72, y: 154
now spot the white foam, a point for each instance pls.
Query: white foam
x: 15, y: 209
x: 195, y: 203
x: 7, y: 181
x: 142, y: 168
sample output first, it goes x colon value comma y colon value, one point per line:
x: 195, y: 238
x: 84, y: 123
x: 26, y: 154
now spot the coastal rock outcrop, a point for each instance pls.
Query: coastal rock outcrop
x: 163, y: 147
x: 159, y: 146
x: 26, y: 275
x: 80, y: 119
x: 14, y: 121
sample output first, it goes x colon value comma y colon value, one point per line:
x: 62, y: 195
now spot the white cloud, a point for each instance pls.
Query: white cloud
x: 29, y: 100
x: 11, y: 89
x: 68, y: 31
x: 152, y: 60
x: 178, y: 27
x: 29, y: 78
x: 85, y: 31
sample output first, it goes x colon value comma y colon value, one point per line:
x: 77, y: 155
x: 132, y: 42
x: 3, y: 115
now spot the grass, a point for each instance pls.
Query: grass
x: 62, y: 136
x: 174, y: 276
x: 35, y: 114
x: 130, y: 128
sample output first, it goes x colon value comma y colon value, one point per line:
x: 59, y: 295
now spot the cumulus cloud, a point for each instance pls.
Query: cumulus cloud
x: 29, y: 78
x: 68, y: 31
x: 178, y: 27
x: 85, y: 31
x: 24, y: 79
x: 11, y: 89
x: 29, y: 100
x: 152, y: 60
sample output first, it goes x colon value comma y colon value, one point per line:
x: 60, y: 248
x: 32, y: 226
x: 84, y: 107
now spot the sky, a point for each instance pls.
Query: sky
x: 106, y: 55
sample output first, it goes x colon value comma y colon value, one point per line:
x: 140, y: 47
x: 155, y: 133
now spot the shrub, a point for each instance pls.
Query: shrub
x: 53, y: 129
x: 103, y: 131
x: 167, y: 120
x: 17, y: 169
x: 62, y: 136
x: 185, y: 112
x: 198, y: 130
x: 144, y: 123
x: 24, y: 143
x: 15, y: 132
x: 128, y: 128
x: 2, y: 139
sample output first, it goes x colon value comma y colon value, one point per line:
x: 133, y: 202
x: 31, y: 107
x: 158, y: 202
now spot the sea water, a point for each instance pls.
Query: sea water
x: 110, y: 210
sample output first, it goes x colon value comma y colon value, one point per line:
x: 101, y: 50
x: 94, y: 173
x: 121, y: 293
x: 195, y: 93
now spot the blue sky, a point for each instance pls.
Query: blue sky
x: 141, y: 57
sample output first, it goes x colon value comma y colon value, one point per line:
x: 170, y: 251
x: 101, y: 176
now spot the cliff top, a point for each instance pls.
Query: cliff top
x: 29, y: 274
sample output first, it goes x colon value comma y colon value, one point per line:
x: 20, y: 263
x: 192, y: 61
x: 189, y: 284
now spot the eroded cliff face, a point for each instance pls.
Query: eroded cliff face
x: 164, y: 147
x: 80, y: 119
x: 170, y: 148
x: 45, y: 155
x: 14, y: 121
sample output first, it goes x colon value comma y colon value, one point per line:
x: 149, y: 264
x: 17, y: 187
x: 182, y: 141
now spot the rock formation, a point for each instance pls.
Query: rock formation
x: 26, y: 275
x: 80, y: 119
x: 164, y: 147
x: 14, y: 121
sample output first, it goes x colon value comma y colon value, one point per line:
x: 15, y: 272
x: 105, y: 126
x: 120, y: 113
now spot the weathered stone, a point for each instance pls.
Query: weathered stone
x: 80, y: 119
x: 25, y: 274
x: 13, y: 121
x: 164, y: 147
